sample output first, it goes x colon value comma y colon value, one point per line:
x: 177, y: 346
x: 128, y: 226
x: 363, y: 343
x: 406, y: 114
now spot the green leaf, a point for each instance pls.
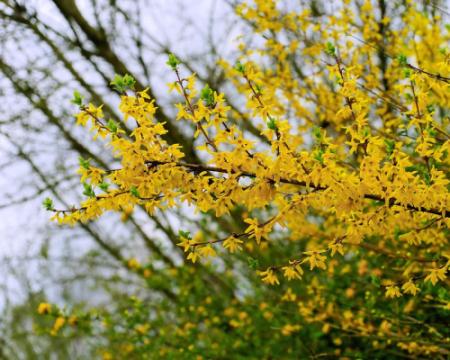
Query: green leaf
x: 411, y: 168
x: 184, y: 234
x: 253, y: 263
x: 366, y: 131
x: 43, y: 251
x: 375, y: 280
x: 398, y: 232
x: 376, y: 203
x: 129, y: 81
x: 84, y: 163
x: 48, y: 204
x: 104, y: 186
x: 173, y: 61
x: 112, y: 126
x: 443, y: 294
x: 319, y: 155
x: 134, y: 191
x: 330, y: 49
x: 426, y: 177
x: 118, y: 83
x: 432, y: 131
x: 207, y: 95
x: 88, y: 191
x: 77, y: 98
x: 122, y: 83
x: 402, y: 59
x: 390, y: 146
x: 239, y: 67
x: 317, y: 133
x: 272, y: 124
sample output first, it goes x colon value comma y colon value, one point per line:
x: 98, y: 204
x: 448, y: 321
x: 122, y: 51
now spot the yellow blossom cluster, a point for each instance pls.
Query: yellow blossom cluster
x: 341, y: 153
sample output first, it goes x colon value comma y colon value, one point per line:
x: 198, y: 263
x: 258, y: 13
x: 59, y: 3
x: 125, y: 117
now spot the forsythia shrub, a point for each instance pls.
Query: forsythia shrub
x: 331, y: 190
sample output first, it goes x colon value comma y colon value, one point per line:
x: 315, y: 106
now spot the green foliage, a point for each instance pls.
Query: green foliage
x: 104, y: 186
x: 253, y: 263
x: 330, y: 49
x: 173, y: 61
x: 112, y: 126
x: 77, y: 98
x: 272, y: 124
x: 134, y: 191
x: 184, y: 234
x: 84, y: 163
x: 123, y: 83
x: 402, y: 60
x: 48, y: 204
x: 207, y: 95
x: 318, y: 155
x: 390, y: 146
x: 240, y: 67
x: 88, y: 191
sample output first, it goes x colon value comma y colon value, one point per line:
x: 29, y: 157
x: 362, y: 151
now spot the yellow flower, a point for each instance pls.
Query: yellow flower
x: 291, y: 273
x: 44, y: 308
x: 95, y: 111
x: 82, y: 118
x: 392, y: 291
x: 206, y: 251
x: 316, y: 260
x: 59, y: 323
x: 185, y: 244
x: 73, y: 320
x: 107, y: 356
x: 193, y: 256
x: 96, y: 175
x: 253, y: 224
x: 142, y: 328
x: 410, y: 288
x: 435, y: 275
x: 289, y: 295
x: 267, y: 315
x: 232, y: 244
x: 268, y: 276
x: 234, y: 323
x: 288, y: 329
x: 182, y: 113
x: 144, y: 94
x: 242, y: 315
x: 336, y: 247
x: 147, y: 273
x: 133, y: 264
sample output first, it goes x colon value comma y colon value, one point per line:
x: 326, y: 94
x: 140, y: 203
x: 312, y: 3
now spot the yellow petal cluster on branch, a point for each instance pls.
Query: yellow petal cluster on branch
x: 343, y: 147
